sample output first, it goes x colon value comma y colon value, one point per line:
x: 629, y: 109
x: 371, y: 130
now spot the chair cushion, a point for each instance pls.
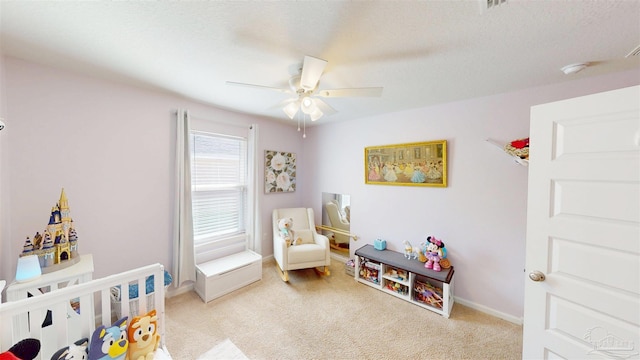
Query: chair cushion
x: 306, y: 236
x: 305, y: 253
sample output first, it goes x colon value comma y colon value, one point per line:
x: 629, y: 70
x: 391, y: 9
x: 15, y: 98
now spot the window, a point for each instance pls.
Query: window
x: 218, y: 189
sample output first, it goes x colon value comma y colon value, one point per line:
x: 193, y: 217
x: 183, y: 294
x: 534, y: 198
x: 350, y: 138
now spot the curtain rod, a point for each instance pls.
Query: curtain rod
x: 222, y: 122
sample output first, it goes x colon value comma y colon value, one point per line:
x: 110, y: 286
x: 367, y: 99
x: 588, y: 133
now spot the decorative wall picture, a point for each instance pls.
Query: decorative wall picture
x: 279, y: 171
x: 412, y: 164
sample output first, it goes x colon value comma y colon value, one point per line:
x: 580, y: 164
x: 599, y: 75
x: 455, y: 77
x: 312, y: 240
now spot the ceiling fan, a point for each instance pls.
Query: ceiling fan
x: 303, y: 86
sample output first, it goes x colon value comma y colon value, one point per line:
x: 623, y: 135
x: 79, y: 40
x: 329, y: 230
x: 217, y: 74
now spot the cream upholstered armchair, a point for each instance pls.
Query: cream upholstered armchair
x: 338, y: 222
x: 313, y: 252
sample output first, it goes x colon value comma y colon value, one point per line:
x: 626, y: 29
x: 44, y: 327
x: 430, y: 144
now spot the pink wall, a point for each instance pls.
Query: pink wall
x: 111, y: 147
x: 481, y: 215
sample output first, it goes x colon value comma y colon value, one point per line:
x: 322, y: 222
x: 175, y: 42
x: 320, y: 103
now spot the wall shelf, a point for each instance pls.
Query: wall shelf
x: 523, y: 162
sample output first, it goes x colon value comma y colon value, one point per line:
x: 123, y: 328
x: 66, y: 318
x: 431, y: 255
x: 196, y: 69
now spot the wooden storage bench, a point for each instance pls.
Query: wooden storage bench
x: 407, y: 279
x: 222, y: 276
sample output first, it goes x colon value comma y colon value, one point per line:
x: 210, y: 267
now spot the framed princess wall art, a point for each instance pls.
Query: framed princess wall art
x: 411, y: 164
x: 279, y: 171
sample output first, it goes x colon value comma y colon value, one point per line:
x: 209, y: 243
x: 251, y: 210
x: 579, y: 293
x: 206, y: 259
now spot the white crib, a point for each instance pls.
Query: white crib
x: 24, y: 318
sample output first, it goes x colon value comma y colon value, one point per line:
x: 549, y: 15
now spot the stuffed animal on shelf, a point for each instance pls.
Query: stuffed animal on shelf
x: 421, y: 252
x: 143, y: 337
x: 79, y: 350
x: 434, y: 253
x: 286, y: 232
x: 109, y: 343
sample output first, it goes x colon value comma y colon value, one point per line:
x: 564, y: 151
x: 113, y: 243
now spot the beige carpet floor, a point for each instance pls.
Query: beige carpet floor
x: 333, y: 317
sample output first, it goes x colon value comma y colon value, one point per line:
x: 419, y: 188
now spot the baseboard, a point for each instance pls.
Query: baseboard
x: 490, y: 311
x: 171, y: 292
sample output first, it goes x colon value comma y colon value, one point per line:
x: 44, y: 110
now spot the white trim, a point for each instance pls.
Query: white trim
x: 171, y: 291
x: 489, y: 311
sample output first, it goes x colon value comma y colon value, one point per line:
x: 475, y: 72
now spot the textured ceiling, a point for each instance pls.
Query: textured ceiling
x: 422, y: 53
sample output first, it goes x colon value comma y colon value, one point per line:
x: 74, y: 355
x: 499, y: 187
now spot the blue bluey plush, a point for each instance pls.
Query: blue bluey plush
x: 109, y: 343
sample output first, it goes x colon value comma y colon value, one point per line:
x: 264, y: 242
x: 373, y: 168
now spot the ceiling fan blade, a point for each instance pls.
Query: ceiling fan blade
x: 312, y: 69
x: 286, y: 91
x: 354, y: 92
x: 324, y: 107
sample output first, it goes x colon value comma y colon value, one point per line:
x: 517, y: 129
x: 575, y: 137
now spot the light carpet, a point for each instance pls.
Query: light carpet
x: 225, y: 350
x: 332, y: 318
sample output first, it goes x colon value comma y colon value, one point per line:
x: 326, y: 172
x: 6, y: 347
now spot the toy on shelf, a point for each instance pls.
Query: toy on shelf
x: 518, y: 148
x: 57, y: 246
x: 379, y: 244
x: 397, y: 274
x: 397, y: 287
x: 428, y: 294
x: 421, y: 252
x: 408, y: 250
x: 435, y: 253
x: 370, y: 271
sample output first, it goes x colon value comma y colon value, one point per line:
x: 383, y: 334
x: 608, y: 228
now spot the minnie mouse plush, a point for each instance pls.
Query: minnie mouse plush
x: 435, y: 252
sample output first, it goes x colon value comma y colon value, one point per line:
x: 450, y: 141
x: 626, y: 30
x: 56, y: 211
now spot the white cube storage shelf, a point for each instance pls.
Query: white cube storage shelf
x: 221, y: 276
x: 407, y: 279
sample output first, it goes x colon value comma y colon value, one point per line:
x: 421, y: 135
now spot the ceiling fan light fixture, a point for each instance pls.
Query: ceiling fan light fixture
x: 317, y: 114
x: 308, y: 106
x: 291, y: 109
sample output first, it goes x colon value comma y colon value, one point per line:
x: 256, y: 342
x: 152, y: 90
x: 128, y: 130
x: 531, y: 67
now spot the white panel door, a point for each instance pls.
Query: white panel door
x: 582, y: 290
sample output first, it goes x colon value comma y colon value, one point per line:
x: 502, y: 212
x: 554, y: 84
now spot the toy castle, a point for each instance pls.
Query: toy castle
x: 58, y: 247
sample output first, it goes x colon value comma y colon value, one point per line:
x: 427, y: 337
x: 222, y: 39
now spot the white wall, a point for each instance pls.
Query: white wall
x: 481, y: 215
x: 111, y: 147
x: 4, y: 185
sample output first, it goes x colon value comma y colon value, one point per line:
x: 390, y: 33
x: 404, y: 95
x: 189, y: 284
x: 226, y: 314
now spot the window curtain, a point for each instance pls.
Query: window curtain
x: 254, y: 226
x: 184, y: 267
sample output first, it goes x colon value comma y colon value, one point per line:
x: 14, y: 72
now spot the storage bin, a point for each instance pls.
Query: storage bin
x: 221, y: 276
x: 350, y: 267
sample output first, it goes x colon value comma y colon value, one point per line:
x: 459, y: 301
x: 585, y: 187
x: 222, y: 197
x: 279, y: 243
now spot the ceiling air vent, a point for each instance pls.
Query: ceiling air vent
x: 490, y: 4
x: 634, y: 52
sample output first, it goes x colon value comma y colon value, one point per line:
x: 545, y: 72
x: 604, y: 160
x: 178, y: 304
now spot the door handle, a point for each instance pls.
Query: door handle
x: 536, y: 276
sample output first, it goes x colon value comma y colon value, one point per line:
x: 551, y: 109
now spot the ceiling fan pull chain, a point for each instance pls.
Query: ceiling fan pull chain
x: 304, y: 126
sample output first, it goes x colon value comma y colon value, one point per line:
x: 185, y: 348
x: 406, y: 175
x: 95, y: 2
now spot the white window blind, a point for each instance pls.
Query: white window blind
x: 218, y: 187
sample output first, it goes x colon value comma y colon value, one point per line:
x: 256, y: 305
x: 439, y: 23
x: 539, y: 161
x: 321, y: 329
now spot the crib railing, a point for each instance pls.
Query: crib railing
x: 74, y: 312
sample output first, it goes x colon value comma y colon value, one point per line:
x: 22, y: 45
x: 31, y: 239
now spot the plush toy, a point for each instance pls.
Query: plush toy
x: 109, y: 343
x: 286, y: 232
x: 421, y: 252
x: 26, y: 349
x: 76, y: 351
x: 434, y: 253
x: 143, y: 337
